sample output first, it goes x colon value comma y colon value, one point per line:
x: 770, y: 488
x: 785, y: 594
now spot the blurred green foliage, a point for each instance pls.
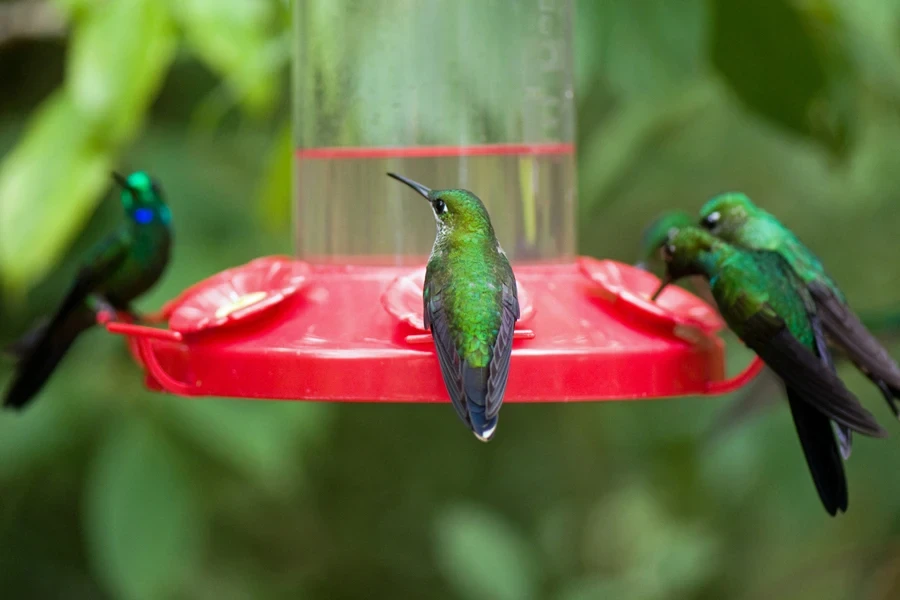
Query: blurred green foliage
x: 109, y: 491
x: 118, y: 56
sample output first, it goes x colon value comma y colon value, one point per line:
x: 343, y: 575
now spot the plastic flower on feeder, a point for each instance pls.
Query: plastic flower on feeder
x: 237, y: 294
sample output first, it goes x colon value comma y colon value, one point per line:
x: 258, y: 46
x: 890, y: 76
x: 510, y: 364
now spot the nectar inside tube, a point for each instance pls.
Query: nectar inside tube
x: 369, y: 218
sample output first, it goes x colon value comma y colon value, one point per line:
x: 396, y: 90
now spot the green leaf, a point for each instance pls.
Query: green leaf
x: 234, y: 38
x: 145, y: 530
x: 765, y: 53
x: 621, y: 140
x: 48, y: 186
x: 867, y: 33
x: 52, y: 180
x: 485, y: 558
x: 118, y: 60
x: 73, y: 10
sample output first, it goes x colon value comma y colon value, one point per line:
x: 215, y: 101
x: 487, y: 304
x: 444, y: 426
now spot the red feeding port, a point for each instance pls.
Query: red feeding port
x: 283, y: 329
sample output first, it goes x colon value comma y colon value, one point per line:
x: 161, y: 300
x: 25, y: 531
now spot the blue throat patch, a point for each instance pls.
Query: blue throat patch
x: 143, y: 216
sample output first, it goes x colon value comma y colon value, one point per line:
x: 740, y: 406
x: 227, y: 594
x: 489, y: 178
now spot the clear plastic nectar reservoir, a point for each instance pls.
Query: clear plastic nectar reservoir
x: 452, y: 93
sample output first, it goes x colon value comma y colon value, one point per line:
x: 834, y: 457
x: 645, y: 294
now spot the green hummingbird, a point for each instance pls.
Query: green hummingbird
x: 734, y: 218
x: 654, y: 238
x: 120, y: 268
x: 652, y: 243
x: 885, y: 325
x: 760, y: 300
x: 758, y: 395
x: 470, y: 304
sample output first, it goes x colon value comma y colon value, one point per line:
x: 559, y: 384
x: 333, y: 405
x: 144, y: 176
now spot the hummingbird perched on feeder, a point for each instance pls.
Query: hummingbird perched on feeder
x: 470, y: 305
x: 734, y: 218
x: 124, y: 265
x: 760, y: 299
x: 654, y: 238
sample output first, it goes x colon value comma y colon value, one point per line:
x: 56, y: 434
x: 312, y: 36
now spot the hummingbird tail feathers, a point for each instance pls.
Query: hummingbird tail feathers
x: 483, y: 428
x: 41, y: 350
x: 20, y: 348
x: 822, y: 454
x: 475, y: 388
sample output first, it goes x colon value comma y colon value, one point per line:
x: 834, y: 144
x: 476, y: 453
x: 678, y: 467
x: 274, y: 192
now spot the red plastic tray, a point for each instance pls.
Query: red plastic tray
x: 283, y: 329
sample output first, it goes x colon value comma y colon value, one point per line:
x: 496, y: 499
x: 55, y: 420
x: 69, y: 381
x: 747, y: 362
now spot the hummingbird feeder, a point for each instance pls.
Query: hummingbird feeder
x: 449, y: 106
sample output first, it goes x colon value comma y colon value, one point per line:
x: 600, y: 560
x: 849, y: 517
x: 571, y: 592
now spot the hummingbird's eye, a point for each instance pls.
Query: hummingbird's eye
x: 711, y: 219
x: 439, y: 207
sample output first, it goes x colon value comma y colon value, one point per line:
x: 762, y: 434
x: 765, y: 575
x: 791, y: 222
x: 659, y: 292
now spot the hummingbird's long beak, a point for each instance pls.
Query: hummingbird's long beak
x: 643, y: 266
x: 667, y: 279
x: 414, y: 185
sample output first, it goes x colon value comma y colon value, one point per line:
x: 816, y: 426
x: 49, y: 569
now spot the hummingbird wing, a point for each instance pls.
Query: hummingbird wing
x: 760, y: 395
x: 844, y: 435
x: 803, y: 372
x: 48, y: 344
x: 103, y: 261
x: 499, y: 367
x: 435, y: 318
x: 863, y: 348
x: 821, y: 452
x: 483, y: 388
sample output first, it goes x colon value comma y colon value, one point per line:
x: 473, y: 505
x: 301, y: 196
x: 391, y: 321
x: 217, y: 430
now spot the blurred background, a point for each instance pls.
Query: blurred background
x: 109, y: 491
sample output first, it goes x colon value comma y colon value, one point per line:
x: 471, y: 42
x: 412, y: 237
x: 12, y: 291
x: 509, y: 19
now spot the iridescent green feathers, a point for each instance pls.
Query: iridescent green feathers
x: 116, y: 271
x: 470, y: 305
x: 142, y: 198
x: 736, y: 219
x: 776, y: 295
x: 767, y: 306
x: 141, y: 246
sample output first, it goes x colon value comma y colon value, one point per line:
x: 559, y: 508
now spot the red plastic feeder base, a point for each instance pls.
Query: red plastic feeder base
x: 284, y: 329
